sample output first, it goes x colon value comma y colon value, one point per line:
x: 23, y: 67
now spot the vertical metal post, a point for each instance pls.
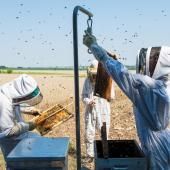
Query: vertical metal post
x: 76, y: 81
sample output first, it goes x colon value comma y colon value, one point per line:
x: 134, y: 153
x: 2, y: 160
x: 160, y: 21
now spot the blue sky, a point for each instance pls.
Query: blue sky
x: 39, y: 32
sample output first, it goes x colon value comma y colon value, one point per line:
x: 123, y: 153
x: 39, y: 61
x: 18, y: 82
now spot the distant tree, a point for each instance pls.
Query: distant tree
x: 3, y: 67
x: 19, y: 67
x: 9, y: 71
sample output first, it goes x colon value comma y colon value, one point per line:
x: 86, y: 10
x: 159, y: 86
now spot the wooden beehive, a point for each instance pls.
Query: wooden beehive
x: 103, y: 83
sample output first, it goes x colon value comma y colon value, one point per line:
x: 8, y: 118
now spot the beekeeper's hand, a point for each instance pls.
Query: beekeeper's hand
x: 92, y: 103
x: 30, y: 111
x: 89, y: 39
x: 99, y: 53
x: 32, y: 125
x: 21, y: 127
x: 36, y: 111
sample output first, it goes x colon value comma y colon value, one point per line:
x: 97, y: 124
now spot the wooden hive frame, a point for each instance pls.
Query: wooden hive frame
x: 52, y: 117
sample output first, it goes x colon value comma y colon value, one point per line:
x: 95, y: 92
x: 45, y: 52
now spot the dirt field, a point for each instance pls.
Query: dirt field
x: 57, y: 89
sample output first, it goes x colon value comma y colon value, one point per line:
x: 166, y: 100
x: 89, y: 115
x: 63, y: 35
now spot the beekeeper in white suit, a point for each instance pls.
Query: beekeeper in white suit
x: 22, y: 91
x: 97, y: 110
x: 150, y: 94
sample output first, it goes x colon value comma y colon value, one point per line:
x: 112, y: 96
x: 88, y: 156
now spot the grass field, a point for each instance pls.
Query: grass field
x: 66, y: 73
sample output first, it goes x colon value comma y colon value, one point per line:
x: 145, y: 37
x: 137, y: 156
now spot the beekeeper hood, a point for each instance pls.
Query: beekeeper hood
x: 160, y: 55
x: 92, y: 69
x: 22, y: 91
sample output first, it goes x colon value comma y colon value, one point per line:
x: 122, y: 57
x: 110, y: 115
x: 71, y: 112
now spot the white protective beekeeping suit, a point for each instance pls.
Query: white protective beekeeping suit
x: 21, y: 91
x: 95, y: 114
x: 150, y: 95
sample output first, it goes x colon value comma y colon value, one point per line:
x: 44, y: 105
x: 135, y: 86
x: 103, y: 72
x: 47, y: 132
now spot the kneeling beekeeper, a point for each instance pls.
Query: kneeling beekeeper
x: 149, y: 91
x: 22, y: 91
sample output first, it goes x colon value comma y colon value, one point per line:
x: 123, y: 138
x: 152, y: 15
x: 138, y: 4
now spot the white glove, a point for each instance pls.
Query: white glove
x: 88, y: 101
x: 89, y: 39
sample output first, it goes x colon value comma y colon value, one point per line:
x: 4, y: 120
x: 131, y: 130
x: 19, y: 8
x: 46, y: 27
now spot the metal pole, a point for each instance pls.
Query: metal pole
x: 76, y: 81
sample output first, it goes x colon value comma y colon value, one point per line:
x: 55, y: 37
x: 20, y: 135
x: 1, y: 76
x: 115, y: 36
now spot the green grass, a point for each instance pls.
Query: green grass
x: 65, y: 73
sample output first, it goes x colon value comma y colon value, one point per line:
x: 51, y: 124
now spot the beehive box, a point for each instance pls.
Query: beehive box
x: 52, y: 117
x: 39, y: 154
x: 123, y: 155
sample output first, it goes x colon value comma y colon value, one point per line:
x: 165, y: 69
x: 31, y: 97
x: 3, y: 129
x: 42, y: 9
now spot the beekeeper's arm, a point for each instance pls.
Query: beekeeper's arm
x: 114, y: 68
x: 30, y: 110
x: 146, y: 93
x: 8, y: 126
x: 20, y: 128
x: 86, y: 97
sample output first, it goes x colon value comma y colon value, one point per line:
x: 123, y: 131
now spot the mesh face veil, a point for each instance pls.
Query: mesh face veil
x: 153, y: 59
x: 150, y: 61
x: 30, y: 100
x: 92, y: 69
x: 141, y: 61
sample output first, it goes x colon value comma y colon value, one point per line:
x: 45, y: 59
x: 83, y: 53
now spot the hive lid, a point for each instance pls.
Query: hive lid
x: 40, y: 148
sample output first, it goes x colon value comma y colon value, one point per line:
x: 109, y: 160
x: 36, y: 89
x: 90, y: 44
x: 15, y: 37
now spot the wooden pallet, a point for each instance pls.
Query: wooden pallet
x: 52, y: 117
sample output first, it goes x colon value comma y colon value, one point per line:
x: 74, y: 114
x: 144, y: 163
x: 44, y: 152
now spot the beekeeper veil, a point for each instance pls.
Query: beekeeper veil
x: 162, y: 67
x: 154, y: 61
x: 23, y: 91
x: 141, y: 61
x: 92, y: 69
